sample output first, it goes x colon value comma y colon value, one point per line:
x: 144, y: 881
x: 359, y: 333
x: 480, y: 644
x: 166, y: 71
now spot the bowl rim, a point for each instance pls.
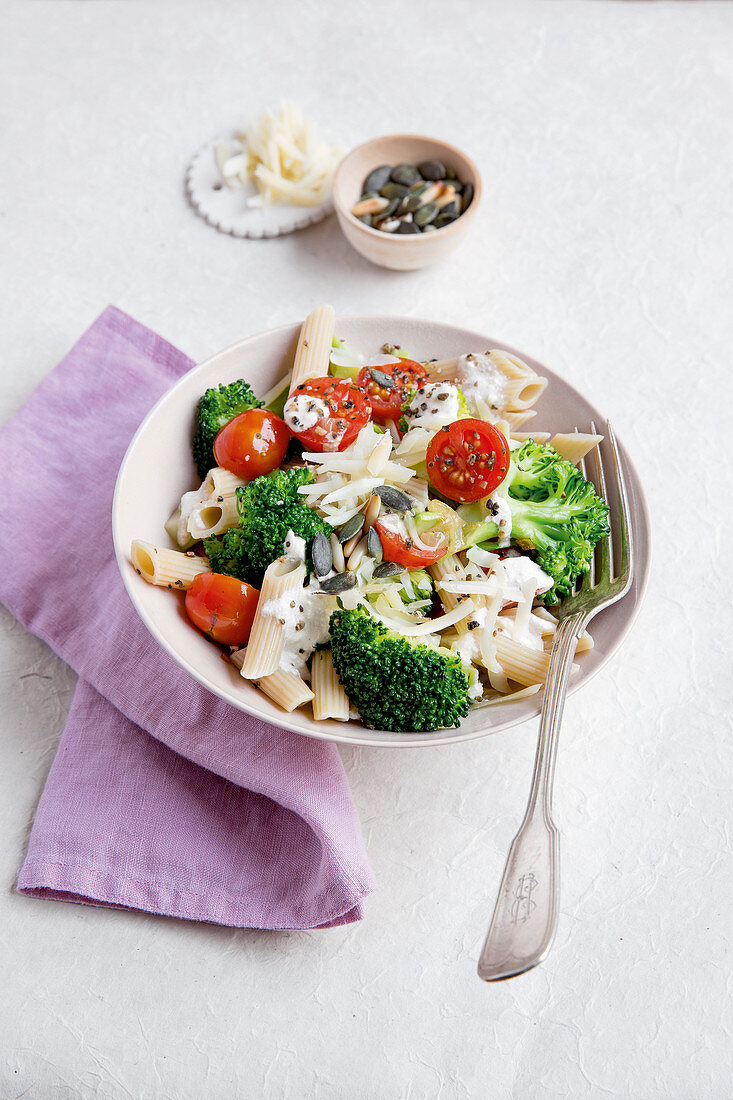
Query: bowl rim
x: 448, y: 736
x: 343, y: 211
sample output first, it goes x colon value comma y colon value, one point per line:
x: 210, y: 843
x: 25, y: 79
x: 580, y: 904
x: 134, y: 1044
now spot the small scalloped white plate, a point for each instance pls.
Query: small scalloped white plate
x: 142, y: 504
x: 225, y: 208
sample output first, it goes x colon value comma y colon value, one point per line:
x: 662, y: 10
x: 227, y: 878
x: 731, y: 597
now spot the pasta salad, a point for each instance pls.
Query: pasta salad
x: 379, y: 537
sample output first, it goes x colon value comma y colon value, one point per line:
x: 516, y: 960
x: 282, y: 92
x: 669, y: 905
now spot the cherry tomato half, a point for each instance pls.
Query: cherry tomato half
x: 467, y: 460
x: 340, y: 409
x: 223, y: 607
x: 387, y: 399
x: 252, y: 444
x: 401, y: 549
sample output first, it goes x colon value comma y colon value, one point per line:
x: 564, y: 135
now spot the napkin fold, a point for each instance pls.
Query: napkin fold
x: 161, y: 797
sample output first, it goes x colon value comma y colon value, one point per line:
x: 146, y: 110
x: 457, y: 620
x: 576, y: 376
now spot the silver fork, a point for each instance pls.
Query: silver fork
x: 525, y: 915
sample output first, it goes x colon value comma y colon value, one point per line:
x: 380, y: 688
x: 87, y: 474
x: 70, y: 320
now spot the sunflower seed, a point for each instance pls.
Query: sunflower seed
x: 351, y: 527
x: 386, y: 569
x: 394, y: 498
x: 322, y: 555
x: 374, y: 545
x: 340, y: 583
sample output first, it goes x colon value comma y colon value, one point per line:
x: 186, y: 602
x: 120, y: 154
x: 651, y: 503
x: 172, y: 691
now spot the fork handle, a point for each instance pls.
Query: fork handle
x: 525, y: 915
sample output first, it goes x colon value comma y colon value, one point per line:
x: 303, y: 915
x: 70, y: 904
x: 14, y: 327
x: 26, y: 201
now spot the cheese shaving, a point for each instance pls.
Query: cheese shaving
x: 280, y: 154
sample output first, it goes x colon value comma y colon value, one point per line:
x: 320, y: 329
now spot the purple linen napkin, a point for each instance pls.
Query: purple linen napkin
x: 241, y: 823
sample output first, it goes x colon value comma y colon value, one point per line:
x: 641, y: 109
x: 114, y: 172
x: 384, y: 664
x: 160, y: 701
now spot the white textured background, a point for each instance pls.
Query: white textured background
x: 602, y: 129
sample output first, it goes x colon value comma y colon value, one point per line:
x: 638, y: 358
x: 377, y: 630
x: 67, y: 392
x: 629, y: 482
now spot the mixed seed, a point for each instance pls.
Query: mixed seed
x: 354, y: 540
x: 412, y: 198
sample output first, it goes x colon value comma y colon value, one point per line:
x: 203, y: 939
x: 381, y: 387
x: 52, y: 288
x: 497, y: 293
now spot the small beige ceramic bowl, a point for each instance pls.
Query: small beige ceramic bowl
x: 397, y: 251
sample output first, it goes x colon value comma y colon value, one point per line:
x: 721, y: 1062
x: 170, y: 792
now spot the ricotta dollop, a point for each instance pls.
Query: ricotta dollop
x: 302, y: 412
x: 481, y: 383
x: 433, y: 405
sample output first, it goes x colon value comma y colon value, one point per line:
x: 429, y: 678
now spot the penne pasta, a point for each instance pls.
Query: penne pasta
x: 575, y: 445
x: 287, y: 689
x: 212, y: 517
x: 314, y: 346
x: 521, y: 393
x: 266, y: 641
x: 166, y: 568
x: 330, y: 699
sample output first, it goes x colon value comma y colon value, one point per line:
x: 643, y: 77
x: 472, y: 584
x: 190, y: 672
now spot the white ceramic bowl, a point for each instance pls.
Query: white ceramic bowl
x: 393, y: 250
x: 158, y: 468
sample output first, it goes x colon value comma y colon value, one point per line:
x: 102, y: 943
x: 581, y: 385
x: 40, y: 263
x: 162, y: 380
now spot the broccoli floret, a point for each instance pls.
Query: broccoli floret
x: 269, y: 507
x: 215, y: 409
x: 397, y: 684
x: 556, y: 515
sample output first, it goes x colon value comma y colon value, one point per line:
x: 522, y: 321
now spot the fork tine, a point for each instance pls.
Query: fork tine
x: 587, y: 580
x: 605, y: 545
x: 626, y: 564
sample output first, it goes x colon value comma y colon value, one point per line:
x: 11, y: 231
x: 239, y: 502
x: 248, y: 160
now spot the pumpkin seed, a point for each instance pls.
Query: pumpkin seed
x: 322, y: 555
x: 393, y: 191
x: 351, y: 527
x: 406, y: 174
x: 418, y: 188
x: 432, y: 170
x: 426, y: 214
x: 374, y: 545
x: 369, y: 195
x: 467, y: 196
x: 368, y: 219
x: 394, y: 498
x: 457, y: 186
x: 443, y: 220
x: 384, y: 380
x: 450, y: 208
x: 386, y: 569
x: 450, y: 174
x: 411, y: 203
x: 377, y: 178
x: 340, y: 583
x: 407, y: 227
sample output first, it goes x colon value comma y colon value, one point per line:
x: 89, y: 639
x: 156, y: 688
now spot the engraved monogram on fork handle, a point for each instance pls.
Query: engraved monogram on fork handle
x: 525, y: 916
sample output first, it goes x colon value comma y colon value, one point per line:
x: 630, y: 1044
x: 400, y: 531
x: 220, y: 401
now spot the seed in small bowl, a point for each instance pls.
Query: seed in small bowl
x: 411, y: 199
